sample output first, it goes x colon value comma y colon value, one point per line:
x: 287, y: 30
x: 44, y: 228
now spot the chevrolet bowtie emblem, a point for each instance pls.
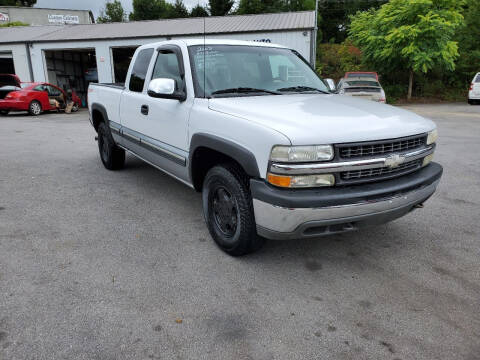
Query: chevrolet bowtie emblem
x: 395, y: 160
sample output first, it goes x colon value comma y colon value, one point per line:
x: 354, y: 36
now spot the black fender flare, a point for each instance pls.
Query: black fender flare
x: 237, y: 152
x: 100, y: 108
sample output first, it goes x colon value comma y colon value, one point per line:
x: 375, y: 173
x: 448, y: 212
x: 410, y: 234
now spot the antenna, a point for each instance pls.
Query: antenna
x: 204, y: 58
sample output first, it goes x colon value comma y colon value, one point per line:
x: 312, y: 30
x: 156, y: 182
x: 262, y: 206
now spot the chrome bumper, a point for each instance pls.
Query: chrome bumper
x: 275, y: 222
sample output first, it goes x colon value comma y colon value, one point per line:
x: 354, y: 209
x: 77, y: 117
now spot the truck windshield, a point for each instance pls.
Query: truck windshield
x: 238, y: 70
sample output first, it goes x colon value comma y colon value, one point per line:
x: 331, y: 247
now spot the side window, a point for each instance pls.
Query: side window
x: 139, y: 71
x: 478, y: 79
x: 40, y: 88
x: 167, y: 66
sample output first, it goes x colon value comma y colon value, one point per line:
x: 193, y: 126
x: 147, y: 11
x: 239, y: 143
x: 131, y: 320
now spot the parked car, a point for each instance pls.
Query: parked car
x: 33, y: 97
x: 361, y: 74
x: 361, y: 87
x: 474, y: 91
x: 274, y: 153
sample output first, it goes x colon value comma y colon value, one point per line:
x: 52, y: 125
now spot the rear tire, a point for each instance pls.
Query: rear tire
x: 113, y: 157
x: 35, y: 108
x: 75, y: 107
x: 4, y: 112
x: 228, y: 210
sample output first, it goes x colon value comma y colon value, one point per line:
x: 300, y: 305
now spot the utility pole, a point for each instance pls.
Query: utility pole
x: 315, y: 31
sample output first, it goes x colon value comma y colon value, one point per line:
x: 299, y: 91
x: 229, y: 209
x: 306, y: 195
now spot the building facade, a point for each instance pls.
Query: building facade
x: 39, y: 16
x: 71, y: 56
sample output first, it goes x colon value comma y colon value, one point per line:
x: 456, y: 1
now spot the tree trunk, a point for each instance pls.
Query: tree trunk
x: 410, y: 86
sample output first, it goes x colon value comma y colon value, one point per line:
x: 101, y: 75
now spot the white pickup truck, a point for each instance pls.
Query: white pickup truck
x: 274, y: 153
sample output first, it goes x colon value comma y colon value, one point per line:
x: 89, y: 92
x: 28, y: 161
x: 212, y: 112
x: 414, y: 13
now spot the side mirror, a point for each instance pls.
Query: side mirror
x: 165, y: 89
x: 331, y: 84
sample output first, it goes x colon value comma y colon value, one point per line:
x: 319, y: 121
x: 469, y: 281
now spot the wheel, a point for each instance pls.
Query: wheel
x: 113, y: 157
x: 75, y: 107
x: 35, y: 108
x: 4, y: 112
x: 228, y: 210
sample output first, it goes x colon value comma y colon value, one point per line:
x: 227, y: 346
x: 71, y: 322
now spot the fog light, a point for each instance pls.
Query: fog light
x: 427, y: 160
x: 301, y: 181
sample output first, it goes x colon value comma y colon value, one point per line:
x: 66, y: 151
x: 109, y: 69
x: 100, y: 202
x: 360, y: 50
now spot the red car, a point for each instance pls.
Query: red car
x: 32, y: 97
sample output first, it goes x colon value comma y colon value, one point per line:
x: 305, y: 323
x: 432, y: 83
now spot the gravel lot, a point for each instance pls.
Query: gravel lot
x: 119, y: 265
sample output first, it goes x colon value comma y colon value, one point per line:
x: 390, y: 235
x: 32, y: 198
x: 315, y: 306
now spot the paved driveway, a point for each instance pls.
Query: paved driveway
x: 119, y: 265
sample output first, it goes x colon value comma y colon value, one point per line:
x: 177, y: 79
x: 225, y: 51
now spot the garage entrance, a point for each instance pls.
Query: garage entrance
x: 121, y: 57
x: 6, y: 63
x: 72, y: 69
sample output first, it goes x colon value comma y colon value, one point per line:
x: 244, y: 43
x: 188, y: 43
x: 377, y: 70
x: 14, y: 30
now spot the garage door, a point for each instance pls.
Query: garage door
x: 6, y: 63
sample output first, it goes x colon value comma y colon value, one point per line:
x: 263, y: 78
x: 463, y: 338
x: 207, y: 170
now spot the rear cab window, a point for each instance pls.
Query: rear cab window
x: 139, y: 71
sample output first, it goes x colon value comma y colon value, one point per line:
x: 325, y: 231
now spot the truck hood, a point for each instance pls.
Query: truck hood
x: 324, y: 119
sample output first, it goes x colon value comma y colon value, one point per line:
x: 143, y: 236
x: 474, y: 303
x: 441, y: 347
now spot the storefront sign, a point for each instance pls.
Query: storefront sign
x: 63, y: 19
x: 4, y: 17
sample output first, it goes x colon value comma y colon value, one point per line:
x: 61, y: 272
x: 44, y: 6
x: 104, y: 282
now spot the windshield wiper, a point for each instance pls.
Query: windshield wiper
x: 301, y: 89
x: 244, y: 90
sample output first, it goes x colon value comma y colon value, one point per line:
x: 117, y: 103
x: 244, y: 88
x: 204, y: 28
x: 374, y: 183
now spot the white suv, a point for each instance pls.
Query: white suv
x: 474, y: 92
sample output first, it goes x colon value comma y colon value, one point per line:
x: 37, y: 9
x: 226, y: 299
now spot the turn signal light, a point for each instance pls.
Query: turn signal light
x: 279, y: 180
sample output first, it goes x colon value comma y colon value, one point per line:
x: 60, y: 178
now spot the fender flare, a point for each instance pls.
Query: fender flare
x: 100, y: 108
x: 237, y: 152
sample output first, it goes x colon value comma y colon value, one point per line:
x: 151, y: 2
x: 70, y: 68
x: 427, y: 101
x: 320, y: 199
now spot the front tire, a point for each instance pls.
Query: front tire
x: 113, y: 157
x: 4, y: 112
x: 35, y: 108
x: 228, y: 210
x: 75, y: 107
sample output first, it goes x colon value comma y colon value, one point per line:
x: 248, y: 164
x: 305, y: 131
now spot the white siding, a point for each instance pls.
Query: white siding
x: 20, y: 60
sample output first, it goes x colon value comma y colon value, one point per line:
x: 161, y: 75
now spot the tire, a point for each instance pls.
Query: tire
x: 75, y: 107
x: 228, y: 210
x: 4, y: 112
x: 35, y: 108
x: 113, y: 157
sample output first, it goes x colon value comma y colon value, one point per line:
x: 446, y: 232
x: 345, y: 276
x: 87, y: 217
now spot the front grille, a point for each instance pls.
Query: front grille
x: 380, y: 173
x: 367, y: 149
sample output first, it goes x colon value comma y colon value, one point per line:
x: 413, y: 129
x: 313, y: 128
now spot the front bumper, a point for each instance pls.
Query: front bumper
x: 293, y: 214
x: 13, y: 105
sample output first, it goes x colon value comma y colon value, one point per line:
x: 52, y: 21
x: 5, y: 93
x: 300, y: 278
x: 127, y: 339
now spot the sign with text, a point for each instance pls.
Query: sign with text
x: 63, y: 19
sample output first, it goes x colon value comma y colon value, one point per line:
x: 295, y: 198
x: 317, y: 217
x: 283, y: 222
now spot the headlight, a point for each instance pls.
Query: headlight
x: 432, y: 137
x: 302, y: 153
x: 301, y: 181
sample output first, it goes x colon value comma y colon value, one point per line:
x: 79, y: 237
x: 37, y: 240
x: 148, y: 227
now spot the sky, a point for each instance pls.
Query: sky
x: 96, y: 5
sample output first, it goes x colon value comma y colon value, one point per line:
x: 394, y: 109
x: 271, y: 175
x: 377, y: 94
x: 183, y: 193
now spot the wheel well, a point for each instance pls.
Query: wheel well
x: 97, y: 118
x: 203, y: 160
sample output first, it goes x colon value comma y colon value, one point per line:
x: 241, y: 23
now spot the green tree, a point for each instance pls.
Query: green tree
x: 412, y: 35
x: 220, y: 7
x: 113, y: 12
x: 27, y: 3
x: 179, y: 10
x: 334, y: 17
x: 198, y: 11
x: 260, y: 6
x: 151, y: 10
x: 468, y: 38
x: 14, y: 23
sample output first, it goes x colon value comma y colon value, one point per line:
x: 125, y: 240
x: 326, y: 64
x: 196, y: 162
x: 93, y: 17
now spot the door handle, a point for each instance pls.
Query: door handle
x: 144, y: 109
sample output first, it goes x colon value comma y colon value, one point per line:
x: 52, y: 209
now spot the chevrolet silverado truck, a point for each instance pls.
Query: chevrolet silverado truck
x: 254, y: 129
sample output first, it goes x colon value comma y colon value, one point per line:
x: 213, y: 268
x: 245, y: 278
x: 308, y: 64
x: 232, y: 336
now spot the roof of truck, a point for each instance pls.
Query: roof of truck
x: 201, y: 41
